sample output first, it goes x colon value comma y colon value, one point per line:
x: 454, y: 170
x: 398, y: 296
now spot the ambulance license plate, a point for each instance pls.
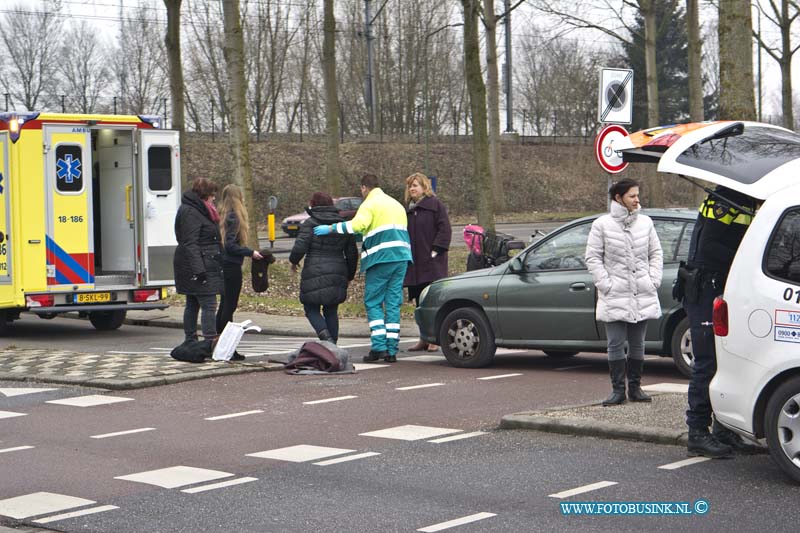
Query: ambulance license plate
x: 94, y: 297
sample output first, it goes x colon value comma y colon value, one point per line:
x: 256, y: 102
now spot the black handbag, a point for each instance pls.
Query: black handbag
x: 260, y: 271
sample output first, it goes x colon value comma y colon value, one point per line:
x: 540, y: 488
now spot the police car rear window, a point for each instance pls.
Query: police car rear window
x: 746, y: 157
x: 783, y: 253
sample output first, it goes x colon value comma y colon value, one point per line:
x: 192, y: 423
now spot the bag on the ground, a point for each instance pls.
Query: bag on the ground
x: 319, y: 357
x: 259, y: 271
x: 229, y: 340
x: 192, y: 351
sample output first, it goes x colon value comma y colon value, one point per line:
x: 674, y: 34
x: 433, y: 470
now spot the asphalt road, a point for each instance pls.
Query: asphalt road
x: 523, y: 231
x: 252, y: 453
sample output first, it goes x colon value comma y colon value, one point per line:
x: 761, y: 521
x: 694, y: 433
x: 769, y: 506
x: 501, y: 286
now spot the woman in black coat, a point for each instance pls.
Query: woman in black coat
x: 330, y: 264
x: 198, y: 258
x: 430, y: 234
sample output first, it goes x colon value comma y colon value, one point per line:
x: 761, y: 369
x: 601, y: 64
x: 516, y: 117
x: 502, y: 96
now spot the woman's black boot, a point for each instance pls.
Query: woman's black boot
x: 617, y: 370
x: 635, y: 393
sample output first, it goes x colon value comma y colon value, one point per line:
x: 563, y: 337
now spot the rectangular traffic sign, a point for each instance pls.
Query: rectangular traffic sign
x: 615, y: 96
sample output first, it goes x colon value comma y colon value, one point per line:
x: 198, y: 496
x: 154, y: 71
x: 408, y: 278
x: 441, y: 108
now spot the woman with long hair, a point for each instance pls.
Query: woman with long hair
x: 235, y: 229
x: 624, y: 256
x: 430, y: 233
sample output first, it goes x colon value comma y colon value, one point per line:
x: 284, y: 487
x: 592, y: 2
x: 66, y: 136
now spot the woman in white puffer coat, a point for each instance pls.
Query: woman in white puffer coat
x: 625, y: 259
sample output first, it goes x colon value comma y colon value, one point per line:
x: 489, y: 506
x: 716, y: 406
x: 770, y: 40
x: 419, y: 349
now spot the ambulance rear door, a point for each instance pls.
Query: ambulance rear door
x: 5, y: 212
x: 158, y: 185
x: 68, y: 178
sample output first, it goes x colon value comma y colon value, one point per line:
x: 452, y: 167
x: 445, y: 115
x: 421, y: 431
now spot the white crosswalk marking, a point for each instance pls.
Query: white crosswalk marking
x: 584, y: 488
x: 39, y: 503
x: 410, y: 432
x: 175, y: 476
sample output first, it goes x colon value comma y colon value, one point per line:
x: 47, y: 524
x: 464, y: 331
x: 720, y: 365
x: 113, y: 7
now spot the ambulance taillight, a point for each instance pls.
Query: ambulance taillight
x: 149, y: 295
x: 40, y: 300
x: 720, y: 317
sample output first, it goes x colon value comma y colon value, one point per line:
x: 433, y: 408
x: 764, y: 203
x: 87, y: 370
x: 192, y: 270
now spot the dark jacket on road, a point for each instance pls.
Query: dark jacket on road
x: 199, y: 251
x: 330, y: 261
x: 429, y: 229
x: 235, y: 252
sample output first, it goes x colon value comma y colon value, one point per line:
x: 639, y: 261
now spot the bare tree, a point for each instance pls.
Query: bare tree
x: 207, y: 83
x: 239, y: 134
x: 482, y: 178
x: 83, y: 69
x: 736, y: 99
x: 493, y: 93
x: 332, y: 165
x: 140, y: 59
x: 783, y: 17
x: 172, y: 41
x: 31, y: 46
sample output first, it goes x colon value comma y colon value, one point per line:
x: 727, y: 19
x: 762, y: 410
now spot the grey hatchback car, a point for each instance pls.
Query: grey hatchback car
x: 544, y: 299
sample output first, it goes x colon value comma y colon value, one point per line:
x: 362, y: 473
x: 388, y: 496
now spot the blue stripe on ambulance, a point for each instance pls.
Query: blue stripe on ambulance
x: 68, y: 261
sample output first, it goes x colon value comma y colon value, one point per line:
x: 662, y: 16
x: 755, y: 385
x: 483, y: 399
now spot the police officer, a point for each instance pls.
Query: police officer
x: 721, y: 224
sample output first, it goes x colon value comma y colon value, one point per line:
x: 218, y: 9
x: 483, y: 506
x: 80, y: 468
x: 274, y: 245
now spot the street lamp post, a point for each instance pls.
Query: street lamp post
x: 426, y: 95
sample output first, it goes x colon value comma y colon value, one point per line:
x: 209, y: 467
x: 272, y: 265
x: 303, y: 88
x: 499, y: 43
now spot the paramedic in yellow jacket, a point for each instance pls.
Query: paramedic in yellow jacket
x: 386, y: 252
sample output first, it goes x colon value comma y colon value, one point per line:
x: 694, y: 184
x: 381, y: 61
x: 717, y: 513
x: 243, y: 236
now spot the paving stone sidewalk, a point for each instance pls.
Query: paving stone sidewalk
x: 110, y: 371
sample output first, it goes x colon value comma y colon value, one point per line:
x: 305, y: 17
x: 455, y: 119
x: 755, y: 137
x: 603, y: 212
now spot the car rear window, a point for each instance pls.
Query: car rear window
x: 783, y: 252
x: 745, y: 157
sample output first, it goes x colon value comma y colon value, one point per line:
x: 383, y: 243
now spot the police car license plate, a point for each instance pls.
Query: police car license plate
x: 94, y: 297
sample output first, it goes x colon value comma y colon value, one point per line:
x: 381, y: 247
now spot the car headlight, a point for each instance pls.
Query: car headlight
x: 423, y: 294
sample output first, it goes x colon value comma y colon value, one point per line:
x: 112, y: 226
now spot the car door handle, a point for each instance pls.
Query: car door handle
x: 577, y: 287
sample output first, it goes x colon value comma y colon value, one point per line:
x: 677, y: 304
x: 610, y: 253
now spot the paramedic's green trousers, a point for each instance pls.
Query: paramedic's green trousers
x: 383, y: 290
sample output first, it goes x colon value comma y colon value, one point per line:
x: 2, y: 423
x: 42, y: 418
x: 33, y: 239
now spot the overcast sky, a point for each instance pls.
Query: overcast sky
x: 105, y: 14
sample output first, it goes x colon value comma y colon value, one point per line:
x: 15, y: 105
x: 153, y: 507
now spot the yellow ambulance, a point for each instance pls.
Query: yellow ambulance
x: 87, y: 206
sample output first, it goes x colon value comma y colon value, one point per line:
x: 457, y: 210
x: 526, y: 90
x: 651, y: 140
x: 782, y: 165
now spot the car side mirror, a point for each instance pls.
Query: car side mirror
x: 516, y: 265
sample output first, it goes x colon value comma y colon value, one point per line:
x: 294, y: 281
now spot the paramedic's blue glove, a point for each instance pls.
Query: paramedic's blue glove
x: 322, y: 230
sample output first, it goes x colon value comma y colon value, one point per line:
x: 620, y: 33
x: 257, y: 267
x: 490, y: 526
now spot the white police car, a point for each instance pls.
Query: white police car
x: 756, y: 390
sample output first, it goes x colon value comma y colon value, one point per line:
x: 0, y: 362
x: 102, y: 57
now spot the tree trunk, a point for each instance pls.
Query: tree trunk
x: 233, y: 50
x: 493, y: 92
x: 477, y: 98
x: 176, y: 87
x: 332, y: 171
x: 786, y: 66
x: 736, y: 99
x: 648, y: 11
x: 695, y: 61
x: 696, y: 113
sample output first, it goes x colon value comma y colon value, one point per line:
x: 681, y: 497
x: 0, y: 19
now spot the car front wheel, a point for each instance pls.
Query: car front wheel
x: 782, y: 427
x: 681, y: 347
x: 467, y: 339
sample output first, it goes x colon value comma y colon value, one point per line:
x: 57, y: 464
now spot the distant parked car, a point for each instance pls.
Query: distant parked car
x: 544, y: 299
x: 347, y: 206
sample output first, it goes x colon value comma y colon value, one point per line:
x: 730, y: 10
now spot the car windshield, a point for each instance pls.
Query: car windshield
x: 745, y: 157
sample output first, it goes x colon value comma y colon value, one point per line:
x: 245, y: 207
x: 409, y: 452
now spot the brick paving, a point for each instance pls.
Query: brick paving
x: 112, y: 371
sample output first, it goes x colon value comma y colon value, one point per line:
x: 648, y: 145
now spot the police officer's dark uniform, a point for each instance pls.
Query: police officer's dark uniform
x: 718, y: 232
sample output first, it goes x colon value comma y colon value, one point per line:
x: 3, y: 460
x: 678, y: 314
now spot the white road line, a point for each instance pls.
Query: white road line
x: 175, y: 476
x: 18, y: 448
x: 348, y: 458
x: 337, y: 399
x: 119, y: 433
x: 427, y: 385
x: 234, y: 415
x: 667, y: 387
x: 571, y: 367
x: 581, y: 490
x: 39, y: 503
x: 458, y: 437
x: 73, y: 514
x: 20, y: 391
x: 457, y: 522
x: 11, y: 414
x: 501, y: 376
x: 220, y: 485
x: 685, y: 462
x: 90, y: 400
x: 410, y: 432
x: 300, y: 453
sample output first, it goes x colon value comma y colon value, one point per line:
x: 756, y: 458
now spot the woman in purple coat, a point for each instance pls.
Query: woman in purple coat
x: 429, y: 230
